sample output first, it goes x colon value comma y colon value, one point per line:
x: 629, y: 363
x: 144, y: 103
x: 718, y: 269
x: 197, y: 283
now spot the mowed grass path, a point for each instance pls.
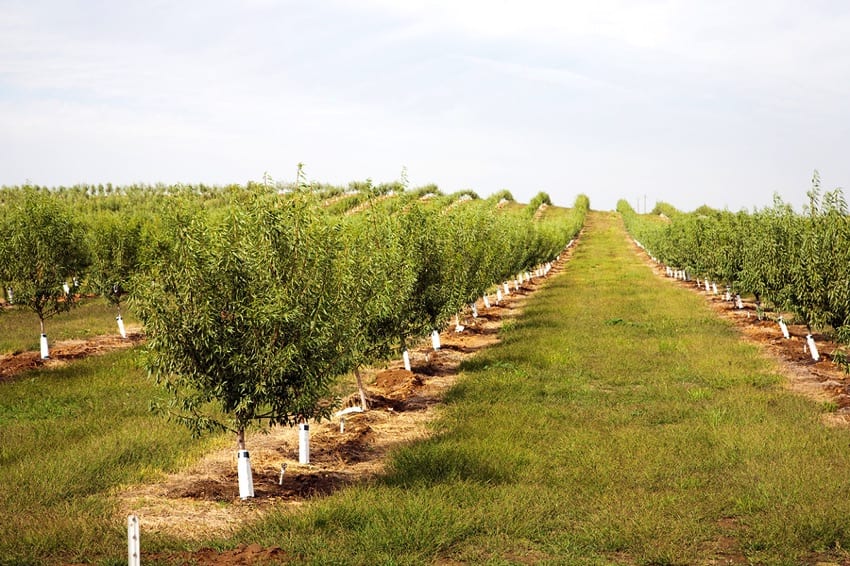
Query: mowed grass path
x: 619, y: 422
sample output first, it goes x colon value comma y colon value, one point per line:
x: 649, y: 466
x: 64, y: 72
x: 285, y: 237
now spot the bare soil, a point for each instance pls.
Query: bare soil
x: 65, y: 351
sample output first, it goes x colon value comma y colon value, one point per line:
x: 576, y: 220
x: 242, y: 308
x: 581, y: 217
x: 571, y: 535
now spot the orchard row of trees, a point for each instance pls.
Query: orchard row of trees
x: 798, y: 263
x: 254, y: 299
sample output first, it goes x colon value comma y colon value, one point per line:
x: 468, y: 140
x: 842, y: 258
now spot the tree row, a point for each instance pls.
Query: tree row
x: 790, y: 262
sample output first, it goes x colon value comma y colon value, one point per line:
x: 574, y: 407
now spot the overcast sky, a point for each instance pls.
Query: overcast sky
x: 720, y: 102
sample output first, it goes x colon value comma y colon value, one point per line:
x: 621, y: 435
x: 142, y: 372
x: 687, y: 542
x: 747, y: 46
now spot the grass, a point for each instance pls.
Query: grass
x: 19, y: 329
x: 618, y: 422
x: 68, y: 436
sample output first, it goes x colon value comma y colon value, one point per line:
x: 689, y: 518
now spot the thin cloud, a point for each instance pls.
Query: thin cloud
x: 690, y: 102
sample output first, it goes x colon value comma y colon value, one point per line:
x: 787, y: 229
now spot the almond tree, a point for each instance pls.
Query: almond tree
x: 241, y: 314
x: 115, y: 243
x: 42, y: 253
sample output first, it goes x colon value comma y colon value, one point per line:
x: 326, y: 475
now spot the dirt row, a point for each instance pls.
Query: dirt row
x: 65, y: 351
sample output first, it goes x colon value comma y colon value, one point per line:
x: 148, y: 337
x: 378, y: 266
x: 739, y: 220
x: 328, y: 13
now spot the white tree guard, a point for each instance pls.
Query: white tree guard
x: 303, y: 443
x: 246, y: 476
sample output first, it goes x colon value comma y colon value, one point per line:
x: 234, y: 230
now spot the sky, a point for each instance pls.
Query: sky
x: 722, y: 102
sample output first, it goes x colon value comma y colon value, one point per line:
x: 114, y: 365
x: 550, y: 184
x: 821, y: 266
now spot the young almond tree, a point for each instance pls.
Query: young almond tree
x: 240, y: 311
x: 379, y: 284
x: 42, y: 253
x: 820, y: 273
x: 115, y: 242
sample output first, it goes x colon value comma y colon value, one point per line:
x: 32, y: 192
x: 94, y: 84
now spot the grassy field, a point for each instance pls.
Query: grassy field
x: 618, y: 422
x: 68, y: 436
x: 19, y: 329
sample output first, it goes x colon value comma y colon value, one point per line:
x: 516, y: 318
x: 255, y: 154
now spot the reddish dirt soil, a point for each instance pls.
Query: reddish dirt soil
x: 64, y: 351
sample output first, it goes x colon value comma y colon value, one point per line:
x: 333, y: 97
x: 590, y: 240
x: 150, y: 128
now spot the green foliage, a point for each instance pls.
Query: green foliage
x: 379, y: 281
x: 539, y: 200
x: 799, y: 263
x: 42, y: 251
x: 821, y: 276
x: 499, y: 196
x: 242, y: 314
x: 666, y: 209
x: 255, y: 298
x: 425, y: 191
x: 115, y: 248
x: 771, y: 249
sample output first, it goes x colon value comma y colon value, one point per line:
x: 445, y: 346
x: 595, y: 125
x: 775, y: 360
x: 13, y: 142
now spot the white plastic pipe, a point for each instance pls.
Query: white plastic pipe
x: 66, y: 288
x: 813, y: 349
x: 406, y: 357
x: 134, y: 547
x: 10, y: 295
x: 507, y: 289
x: 121, y: 328
x: 784, y: 328
x: 738, y: 302
x: 458, y: 325
x: 486, y: 301
x: 498, y: 296
x: 728, y: 296
x: 474, y: 311
x: 303, y: 443
x: 707, y: 286
x: 714, y: 288
x: 246, y: 477
x: 45, y: 351
x: 435, y: 340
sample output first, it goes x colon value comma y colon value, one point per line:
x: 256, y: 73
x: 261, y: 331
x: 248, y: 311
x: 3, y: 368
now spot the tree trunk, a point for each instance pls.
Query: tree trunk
x: 240, y: 438
x: 361, y: 389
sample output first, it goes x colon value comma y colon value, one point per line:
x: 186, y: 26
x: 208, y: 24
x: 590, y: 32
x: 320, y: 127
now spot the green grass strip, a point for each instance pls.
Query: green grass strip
x: 67, y: 437
x: 618, y: 422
